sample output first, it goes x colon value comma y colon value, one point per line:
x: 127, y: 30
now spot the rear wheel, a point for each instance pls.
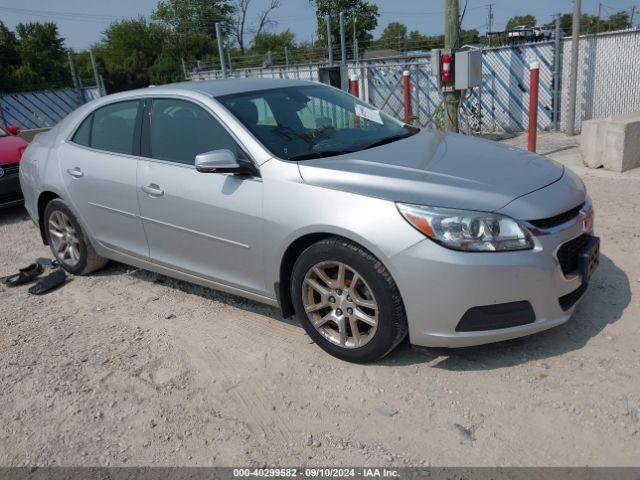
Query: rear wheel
x: 68, y: 242
x: 347, y: 301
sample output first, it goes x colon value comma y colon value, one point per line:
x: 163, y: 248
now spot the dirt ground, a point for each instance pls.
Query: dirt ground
x: 126, y: 367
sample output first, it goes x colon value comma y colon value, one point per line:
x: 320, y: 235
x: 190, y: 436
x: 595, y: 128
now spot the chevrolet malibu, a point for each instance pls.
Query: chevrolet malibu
x: 301, y: 196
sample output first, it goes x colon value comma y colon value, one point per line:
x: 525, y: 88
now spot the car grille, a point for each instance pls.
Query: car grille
x: 569, y: 252
x: 569, y: 300
x: 10, y: 169
x: 556, y: 220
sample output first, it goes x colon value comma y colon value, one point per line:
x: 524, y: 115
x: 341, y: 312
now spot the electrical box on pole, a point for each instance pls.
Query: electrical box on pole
x: 456, y: 70
x: 337, y: 76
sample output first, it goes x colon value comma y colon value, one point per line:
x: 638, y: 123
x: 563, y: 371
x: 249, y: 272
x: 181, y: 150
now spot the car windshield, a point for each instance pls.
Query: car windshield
x: 299, y: 123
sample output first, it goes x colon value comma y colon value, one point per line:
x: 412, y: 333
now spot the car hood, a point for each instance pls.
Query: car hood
x: 10, y: 149
x: 437, y: 169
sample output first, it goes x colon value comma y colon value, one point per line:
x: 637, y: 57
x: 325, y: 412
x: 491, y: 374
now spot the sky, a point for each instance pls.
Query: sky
x: 81, y: 22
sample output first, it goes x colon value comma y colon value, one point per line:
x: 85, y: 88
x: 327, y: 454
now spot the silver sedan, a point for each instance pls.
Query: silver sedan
x: 299, y: 195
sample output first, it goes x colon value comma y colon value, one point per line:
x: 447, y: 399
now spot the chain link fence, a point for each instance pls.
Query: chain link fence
x: 609, y: 76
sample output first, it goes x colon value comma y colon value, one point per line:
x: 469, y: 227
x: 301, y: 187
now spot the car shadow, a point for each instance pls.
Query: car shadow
x: 606, y: 299
x: 11, y: 215
x: 608, y: 296
x: 117, y: 269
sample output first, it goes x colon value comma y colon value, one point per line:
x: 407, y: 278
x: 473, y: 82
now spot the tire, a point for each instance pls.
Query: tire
x: 317, y: 270
x: 87, y: 259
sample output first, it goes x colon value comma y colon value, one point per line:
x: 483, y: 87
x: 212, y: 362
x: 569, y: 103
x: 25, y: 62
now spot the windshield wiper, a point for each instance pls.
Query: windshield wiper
x: 326, y: 153
x: 391, y: 139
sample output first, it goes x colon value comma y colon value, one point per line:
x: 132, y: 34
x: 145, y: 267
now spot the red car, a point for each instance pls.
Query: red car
x: 11, y: 149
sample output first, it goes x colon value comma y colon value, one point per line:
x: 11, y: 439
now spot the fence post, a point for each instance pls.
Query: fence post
x: 406, y: 82
x: 533, y: 106
x: 573, y: 79
x: 329, y: 39
x: 221, y: 51
x: 556, y: 76
x: 74, y: 75
x: 343, y: 46
x: 95, y: 72
x: 354, y: 87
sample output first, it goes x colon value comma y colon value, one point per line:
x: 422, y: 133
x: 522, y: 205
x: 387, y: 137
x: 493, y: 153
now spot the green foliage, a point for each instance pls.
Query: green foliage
x: 32, y: 58
x: 194, y: 16
x: 394, y: 36
x: 9, y: 58
x: 591, y: 24
x: 527, y: 20
x: 365, y: 14
x: 274, y: 42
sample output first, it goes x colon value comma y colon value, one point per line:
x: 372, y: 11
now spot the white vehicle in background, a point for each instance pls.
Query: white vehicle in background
x: 524, y: 32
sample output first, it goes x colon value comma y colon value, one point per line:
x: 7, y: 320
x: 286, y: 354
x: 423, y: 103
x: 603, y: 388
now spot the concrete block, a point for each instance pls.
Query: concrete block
x: 592, y: 154
x: 612, y: 142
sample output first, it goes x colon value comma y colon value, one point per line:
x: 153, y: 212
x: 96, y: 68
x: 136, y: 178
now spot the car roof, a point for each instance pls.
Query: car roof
x: 218, y: 88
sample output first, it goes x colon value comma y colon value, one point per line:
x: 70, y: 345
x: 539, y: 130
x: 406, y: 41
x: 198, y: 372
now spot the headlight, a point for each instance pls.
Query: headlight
x: 467, y: 230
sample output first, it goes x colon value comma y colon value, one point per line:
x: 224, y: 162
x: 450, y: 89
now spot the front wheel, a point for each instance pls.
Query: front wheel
x: 347, y: 301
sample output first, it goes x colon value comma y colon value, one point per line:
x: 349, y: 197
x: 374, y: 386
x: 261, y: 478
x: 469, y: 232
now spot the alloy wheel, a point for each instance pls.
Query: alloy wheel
x: 64, y: 238
x: 340, y: 304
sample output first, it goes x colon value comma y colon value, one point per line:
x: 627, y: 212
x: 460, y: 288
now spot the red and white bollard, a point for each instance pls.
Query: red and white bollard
x: 354, y: 86
x: 533, y: 105
x: 406, y: 83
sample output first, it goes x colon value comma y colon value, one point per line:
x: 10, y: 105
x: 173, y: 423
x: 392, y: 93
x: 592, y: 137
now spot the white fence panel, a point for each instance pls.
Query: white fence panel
x: 608, y: 76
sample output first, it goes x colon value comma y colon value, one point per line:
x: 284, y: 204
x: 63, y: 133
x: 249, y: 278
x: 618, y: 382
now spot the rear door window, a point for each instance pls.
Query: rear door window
x: 114, y: 127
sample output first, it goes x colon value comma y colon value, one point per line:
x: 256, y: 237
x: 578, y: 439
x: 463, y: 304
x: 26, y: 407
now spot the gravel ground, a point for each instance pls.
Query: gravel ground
x: 126, y: 367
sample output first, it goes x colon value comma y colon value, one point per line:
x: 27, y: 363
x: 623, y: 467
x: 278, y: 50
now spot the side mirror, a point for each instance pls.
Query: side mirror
x: 219, y: 161
x: 13, y: 129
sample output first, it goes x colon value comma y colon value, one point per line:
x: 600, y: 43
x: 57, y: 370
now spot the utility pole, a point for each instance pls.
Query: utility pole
x: 598, y: 18
x: 633, y: 13
x: 451, y: 40
x: 95, y: 72
x: 343, y: 45
x: 286, y: 56
x: 573, y: 79
x: 74, y: 75
x: 329, y: 39
x: 221, y: 51
x: 490, y: 22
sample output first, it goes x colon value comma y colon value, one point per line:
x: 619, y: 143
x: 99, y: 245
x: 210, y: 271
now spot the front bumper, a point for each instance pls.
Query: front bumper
x: 10, y: 193
x: 439, y: 286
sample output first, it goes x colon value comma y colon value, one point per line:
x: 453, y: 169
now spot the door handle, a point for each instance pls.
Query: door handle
x: 153, y: 190
x: 75, y: 172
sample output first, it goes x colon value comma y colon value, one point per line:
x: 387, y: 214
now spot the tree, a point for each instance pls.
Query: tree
x: 617, y: 21
x: 194, y: 16
x: 365, y: 15
x: 418, y: 41
x: 42, y: 57
x: 191, y: 33
x: 9, y: 58
x: 128, y: 51
x: 590, y: 23
x: 241, y: 8
x: 394, y: 36
x: 527, y: 20
x: 275, y: 42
